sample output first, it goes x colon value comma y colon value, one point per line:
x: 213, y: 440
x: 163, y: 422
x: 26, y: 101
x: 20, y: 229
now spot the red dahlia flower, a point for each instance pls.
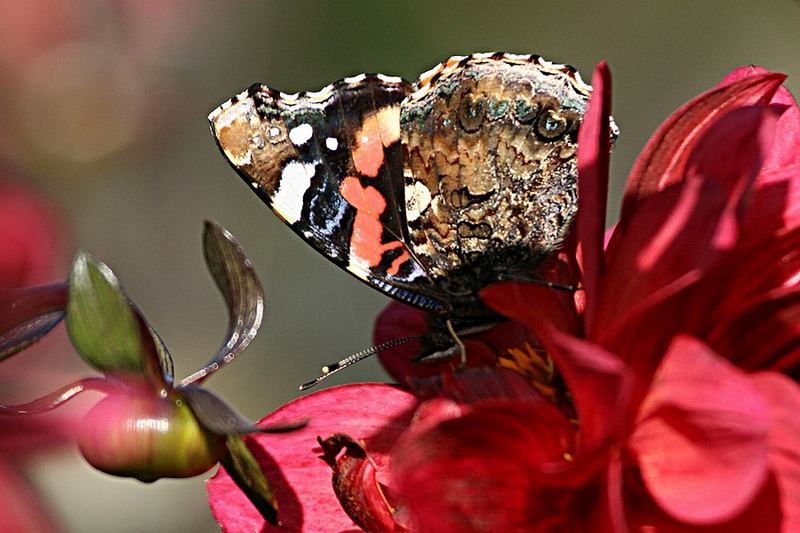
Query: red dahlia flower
x: 674, y: 359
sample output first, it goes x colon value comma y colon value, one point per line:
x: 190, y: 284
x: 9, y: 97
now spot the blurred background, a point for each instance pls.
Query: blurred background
x: 104, y: 106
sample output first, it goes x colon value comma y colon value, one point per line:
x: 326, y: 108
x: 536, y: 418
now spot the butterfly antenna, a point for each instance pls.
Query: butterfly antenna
x: 331, y: 369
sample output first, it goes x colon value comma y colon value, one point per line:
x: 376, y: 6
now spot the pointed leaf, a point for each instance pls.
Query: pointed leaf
x: 26, y: 315
x: 218, y: 416
x: 237, y: 281
x: 101, y: 323
x: 245, y: 471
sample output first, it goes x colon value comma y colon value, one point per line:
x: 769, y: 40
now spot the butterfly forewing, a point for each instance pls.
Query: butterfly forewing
x: 330, y: 165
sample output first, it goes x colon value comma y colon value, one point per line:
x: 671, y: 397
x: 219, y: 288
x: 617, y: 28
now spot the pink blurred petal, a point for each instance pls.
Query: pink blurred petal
x: 783, y: 401
x: 376, y: 414
x: 23, y: 510
x: 594, y: 149
x: 762, y: 515
x: 31, y: 237
x: 702, y: 430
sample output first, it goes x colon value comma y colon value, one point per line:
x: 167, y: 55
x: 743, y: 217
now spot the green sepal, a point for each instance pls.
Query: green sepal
x: 248, y: 476
x: 101, y: 322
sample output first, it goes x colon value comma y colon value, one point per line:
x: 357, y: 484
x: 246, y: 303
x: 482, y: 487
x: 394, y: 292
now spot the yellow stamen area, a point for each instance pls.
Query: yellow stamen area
x: 534, y: 364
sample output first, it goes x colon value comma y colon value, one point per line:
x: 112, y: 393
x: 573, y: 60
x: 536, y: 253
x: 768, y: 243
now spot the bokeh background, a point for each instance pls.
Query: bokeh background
x: 104, y: 106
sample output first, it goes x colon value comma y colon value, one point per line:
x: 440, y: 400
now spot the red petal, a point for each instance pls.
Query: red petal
x: 601, y: 386
x: 763, y: 335
x: 399, y: 320
x: 784, y: 151
x: 675, y: 236
x: 594, y: 147
x: 375, y: 413
x: 775, y: 204
x: 702, y: 430
x: 533, y: 305
x: 482, y: 472
x: 664, y: 158
x: 783, y: 400
x: 763, y: 515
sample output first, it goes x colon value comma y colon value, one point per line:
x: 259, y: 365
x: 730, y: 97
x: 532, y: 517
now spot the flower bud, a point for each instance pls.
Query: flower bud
x: 137, y: 433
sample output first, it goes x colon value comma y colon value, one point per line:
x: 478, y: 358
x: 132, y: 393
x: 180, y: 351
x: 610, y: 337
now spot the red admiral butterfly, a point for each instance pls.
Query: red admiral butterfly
x: 426, y: 191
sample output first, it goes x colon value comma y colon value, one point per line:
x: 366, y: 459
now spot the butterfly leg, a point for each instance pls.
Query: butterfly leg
x: 459, y: 344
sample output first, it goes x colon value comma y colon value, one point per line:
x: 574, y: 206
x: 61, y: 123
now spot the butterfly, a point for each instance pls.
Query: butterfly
x: 426, y: 191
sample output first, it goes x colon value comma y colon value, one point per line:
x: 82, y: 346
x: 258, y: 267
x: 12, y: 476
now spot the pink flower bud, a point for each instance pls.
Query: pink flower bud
x: 137, y: 433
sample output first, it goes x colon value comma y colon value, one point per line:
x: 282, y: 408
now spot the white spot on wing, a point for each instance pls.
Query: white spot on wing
x: 389, y: 79
x: 418, y: 198
x: 332, y: 143
x: 301, y: 134
x: 355, y: 79
x: 295, y: 181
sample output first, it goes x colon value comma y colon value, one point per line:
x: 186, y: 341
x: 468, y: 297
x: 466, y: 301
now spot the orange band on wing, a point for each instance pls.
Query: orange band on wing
x: 365, y: 242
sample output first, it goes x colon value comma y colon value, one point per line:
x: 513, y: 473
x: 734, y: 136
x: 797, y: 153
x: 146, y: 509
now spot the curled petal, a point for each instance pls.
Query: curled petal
x: 26, y: 315
x: 218, y: 416
x: 60, y: 396
x: 373, y: 413
x: 356, y: 485
x: 702, y: 430
x: 237, y: 281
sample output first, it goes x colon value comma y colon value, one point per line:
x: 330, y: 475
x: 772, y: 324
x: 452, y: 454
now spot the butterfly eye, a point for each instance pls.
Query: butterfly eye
x: 471, y: 113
